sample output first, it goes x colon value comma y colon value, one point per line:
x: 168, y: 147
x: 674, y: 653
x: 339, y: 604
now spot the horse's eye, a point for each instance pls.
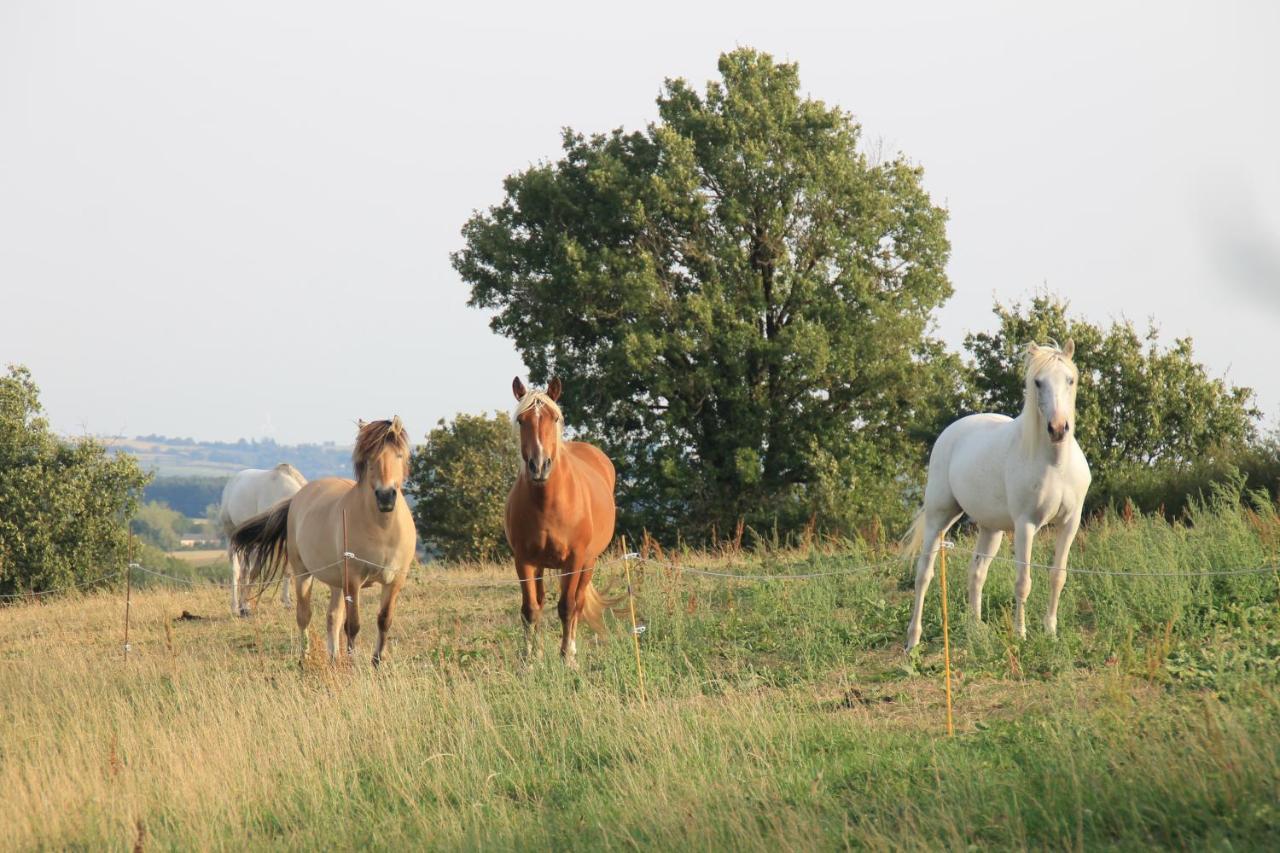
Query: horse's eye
x: 1071, y: 382
x: 1038, y: 383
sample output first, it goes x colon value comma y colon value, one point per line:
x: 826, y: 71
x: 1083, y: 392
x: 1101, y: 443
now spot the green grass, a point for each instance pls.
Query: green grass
x: 780, y: 714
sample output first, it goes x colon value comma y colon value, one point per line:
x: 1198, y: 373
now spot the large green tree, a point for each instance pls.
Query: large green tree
x: 459, y: 478
x: 1141, y: 406
x: 64, y: 505
x: 737, y: 298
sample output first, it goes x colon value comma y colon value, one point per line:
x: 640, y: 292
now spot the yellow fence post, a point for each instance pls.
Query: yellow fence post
x: 128, y: 595
x: 635, y: 634
x: 946, y: 632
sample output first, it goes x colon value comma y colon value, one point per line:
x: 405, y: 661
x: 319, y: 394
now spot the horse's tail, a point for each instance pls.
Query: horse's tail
x: 913, y: 541
x: 595, y: 604
x: 261, y: 545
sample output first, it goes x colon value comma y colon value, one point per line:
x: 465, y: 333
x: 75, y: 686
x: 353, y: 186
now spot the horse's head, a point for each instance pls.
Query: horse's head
x: 1051, y: 383
x: 541, y: 427
x: 381, y: 458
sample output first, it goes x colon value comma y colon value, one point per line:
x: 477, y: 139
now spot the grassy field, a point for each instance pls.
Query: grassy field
x: 780, y: 714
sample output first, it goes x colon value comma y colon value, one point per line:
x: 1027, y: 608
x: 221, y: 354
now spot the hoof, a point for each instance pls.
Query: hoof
x: 245, y: 613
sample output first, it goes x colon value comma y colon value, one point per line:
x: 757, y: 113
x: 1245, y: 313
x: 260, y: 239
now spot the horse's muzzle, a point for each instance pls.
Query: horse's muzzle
x: 540, y: 469
x: 386, y: 499
x: 1058, y: 432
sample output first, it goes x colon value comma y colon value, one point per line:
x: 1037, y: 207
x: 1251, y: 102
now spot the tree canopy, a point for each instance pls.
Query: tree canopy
x: 64, y: 505
x: 737, y: 298
x: 1140, y: 404
x: 460, y: 477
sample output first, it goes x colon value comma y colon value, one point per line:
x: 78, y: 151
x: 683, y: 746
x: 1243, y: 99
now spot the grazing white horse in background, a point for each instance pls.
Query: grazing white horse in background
x: 1006, y: 473
x: 249, y: 493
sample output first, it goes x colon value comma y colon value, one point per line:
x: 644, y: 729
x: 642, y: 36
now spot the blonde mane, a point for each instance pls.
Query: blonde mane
x: 1036, y: 360
x: 538, y: 399
x: 373, y: 437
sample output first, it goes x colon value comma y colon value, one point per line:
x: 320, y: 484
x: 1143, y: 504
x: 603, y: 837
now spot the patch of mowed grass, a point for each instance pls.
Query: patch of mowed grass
x: 780, y: 713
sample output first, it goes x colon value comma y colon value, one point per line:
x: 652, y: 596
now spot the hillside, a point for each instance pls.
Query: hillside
x: 185, y: 457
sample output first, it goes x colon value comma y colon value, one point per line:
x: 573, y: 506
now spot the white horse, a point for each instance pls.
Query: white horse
x: 1005, y: 473
x: 249, y: 493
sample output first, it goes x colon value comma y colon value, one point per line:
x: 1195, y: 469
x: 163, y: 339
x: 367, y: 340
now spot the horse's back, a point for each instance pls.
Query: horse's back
x: 593, y: 459
x: 253, y: 491
x: 315, y: 521
x: 319, y: 497
x: 601, y: 478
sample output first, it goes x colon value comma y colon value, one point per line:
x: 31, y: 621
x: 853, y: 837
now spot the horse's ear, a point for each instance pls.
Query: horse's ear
x: 361, y: 424
x: 1070, y: 349
x: 517, y: 388
x: 554, y: 389
x: 396, y: 424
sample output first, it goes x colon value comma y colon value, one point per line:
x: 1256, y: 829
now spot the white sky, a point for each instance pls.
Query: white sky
x: 234, y: 219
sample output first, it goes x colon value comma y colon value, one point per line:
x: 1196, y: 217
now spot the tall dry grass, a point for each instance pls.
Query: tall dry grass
x: 779, y: 715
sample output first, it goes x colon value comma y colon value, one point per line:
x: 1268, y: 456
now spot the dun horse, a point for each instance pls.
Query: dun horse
x: 1006, y: 473
x: 247, y: 494
x: 560, y: 515
x: 307, y: 532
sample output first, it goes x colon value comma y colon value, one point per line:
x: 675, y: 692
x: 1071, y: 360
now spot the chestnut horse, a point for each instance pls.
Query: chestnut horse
x: 307, y: 531
x: 560, y: 515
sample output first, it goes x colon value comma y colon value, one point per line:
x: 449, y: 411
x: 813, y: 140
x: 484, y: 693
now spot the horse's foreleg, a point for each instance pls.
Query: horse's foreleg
x: 337, y: 614
x: 568, y: 607
x: 530, y: 604
x: 387, y: 609
x: 935, y: 525
x: 984, y: 551
x: 1024, y: 533
x: 1058, y: 574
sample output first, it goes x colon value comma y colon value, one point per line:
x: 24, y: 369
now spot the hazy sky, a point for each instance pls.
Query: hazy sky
x: 234, y: 219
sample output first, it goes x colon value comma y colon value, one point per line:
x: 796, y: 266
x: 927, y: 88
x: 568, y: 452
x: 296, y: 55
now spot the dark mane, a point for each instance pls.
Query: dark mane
x: 375, y: 436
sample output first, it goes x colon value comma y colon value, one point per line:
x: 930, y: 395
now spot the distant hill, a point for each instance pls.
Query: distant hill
x: 184, y: 457
x: 190, y: 474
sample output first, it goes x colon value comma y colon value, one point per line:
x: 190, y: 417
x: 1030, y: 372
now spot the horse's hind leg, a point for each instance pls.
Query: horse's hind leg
x: 936, y: 522
x: 983, y: 553
x: 302, y: 593
x: 235, y: 580
x: 284, y: 586
x: 1058, y: 574
x: 386, y: 610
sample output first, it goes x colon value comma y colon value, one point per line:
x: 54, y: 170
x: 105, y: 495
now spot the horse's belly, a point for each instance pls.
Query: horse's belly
x: 987, y: 510
x: 981, y: 493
